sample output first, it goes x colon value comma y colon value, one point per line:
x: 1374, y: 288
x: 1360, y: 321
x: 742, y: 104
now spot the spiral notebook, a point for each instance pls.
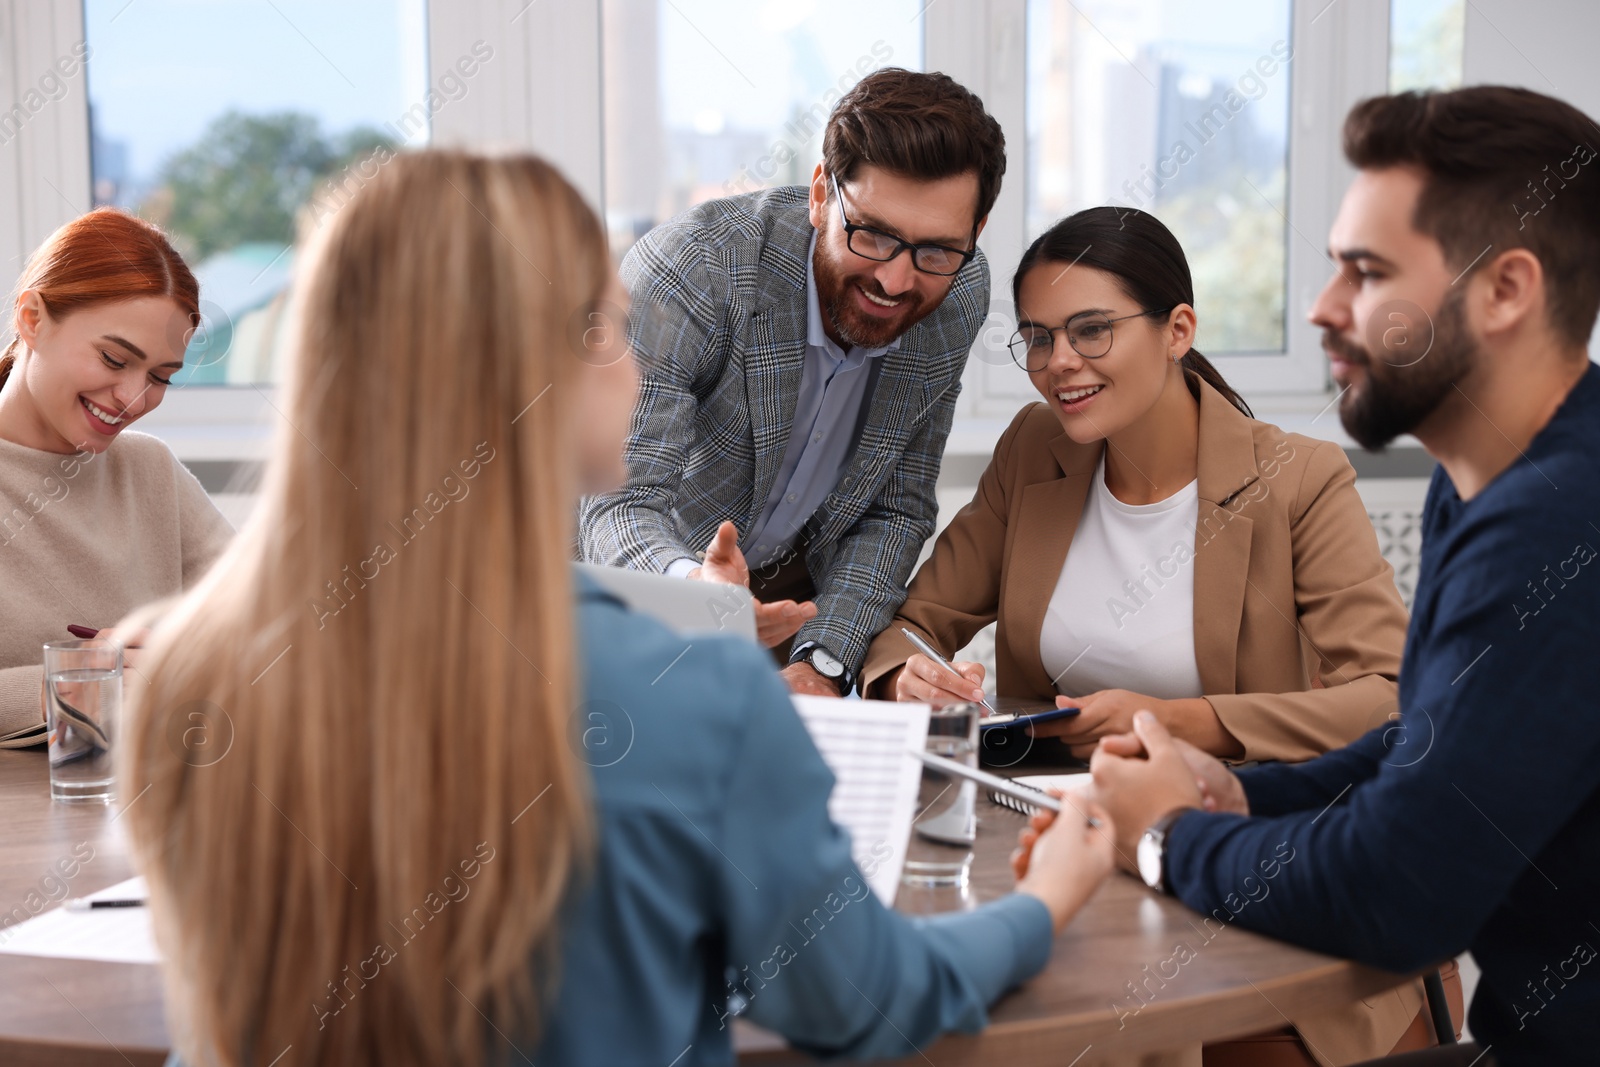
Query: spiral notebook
x: 1042, y: 782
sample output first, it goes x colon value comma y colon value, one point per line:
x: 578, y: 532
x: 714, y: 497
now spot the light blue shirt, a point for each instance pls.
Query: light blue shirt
x: 718, y: 884
x: 719, y: 881
x: 834, y: 386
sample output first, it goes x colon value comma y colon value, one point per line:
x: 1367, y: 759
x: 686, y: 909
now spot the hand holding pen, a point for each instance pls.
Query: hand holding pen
x: 932, y: 679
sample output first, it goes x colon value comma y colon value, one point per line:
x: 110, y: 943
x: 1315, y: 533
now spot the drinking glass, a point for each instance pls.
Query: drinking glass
x: 952, y: 733
x: 83, y: 703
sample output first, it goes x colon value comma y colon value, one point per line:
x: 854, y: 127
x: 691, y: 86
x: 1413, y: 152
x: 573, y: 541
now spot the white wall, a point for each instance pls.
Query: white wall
x: 1543, y: 45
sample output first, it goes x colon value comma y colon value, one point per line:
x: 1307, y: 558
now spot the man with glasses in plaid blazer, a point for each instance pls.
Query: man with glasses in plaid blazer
x: 801, y: 351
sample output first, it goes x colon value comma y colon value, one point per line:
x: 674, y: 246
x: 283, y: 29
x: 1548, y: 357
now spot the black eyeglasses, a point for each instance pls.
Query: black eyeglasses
x: 1088, y: 333
x: 868, y: 243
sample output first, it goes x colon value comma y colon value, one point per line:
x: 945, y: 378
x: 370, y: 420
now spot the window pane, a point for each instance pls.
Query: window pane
x: 1181, y: 110
x: 219, y: 120
x: 1425, y: 38
x: 709, y: 98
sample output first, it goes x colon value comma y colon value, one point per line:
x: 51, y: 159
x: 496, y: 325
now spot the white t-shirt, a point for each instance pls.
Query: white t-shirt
x: 1122, y: 614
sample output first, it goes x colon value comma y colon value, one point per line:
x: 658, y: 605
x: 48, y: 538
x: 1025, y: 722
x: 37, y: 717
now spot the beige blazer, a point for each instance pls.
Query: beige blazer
x: 1298, y: 626
x: 1290, y: 589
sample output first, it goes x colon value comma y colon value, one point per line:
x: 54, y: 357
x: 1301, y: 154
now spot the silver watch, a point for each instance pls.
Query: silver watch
x: 1152, y: 850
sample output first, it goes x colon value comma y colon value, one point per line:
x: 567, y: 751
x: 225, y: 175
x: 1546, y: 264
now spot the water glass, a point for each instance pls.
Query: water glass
x: 83, y: 703
x: 952, y: 733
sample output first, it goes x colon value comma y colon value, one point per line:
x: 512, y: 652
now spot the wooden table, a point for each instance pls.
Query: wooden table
x: 1082, y: 1005
x: 72, y: 1012
x: 63, y: 1012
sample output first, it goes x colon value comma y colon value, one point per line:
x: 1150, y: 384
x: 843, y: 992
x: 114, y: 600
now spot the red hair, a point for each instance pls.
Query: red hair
x: 101, y: 257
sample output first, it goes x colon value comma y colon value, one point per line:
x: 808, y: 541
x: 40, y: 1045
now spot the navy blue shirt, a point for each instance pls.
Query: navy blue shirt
x: 1473, y: 821
x: 719, y: 880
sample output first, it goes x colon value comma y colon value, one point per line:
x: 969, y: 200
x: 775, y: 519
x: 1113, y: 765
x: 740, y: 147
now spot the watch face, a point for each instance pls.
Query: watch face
x: 1149, y: 857
x: 826, y: 664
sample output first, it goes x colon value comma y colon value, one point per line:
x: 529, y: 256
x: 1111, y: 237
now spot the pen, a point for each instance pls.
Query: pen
x: 89, y: 904
x: 933, y: 654
x: 1025, y: 793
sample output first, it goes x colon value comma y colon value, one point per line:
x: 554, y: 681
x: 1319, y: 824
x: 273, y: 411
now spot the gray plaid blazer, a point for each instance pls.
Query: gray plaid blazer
x: 718, y: 324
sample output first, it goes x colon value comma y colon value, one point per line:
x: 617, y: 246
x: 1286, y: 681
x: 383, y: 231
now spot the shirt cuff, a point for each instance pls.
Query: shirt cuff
x: 680, y: 568
x: 1000, y: 945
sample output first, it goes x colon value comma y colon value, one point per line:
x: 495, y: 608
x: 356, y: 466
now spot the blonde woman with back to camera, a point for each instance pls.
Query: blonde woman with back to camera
x: 483, y: 886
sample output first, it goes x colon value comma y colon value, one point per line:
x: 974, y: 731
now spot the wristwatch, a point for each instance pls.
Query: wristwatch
x: 1152, y: 850
x: 824, y: 663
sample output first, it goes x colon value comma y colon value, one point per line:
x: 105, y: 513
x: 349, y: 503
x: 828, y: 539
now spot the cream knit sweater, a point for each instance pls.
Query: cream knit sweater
x: 86, y: 539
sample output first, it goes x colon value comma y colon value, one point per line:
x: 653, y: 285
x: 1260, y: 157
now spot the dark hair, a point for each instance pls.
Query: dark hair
x: 100, y: 257
x: 1148, y: 263
x: 1495, y: 162
x: 925, y: 126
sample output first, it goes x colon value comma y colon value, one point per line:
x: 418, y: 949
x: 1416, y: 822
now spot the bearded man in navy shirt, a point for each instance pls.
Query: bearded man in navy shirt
x: 1468, y: 254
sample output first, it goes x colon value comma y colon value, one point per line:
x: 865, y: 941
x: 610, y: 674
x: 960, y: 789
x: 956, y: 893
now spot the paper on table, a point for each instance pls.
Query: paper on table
x: 866, y: 743
x: 1064, y: 782
x: 110, y: 935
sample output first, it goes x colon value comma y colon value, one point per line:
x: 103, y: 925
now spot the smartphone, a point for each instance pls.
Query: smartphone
x: 1012, y: 718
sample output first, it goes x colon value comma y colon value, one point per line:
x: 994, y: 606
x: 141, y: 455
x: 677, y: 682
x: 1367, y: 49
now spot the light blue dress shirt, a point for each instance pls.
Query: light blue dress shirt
x: 719, y: 877
x: 835, y: 385
x: 718, y: 884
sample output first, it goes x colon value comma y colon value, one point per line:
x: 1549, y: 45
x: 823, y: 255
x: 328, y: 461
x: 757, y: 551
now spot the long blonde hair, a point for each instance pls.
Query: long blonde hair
x: 349, y: 783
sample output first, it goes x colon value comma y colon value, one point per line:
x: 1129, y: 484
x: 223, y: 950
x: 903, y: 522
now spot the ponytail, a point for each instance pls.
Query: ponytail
x: 1197, y: 369
x: 8, y: 359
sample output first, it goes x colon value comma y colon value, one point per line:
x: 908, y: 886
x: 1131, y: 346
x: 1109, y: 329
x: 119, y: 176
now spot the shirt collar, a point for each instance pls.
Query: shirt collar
x: 816, y: 336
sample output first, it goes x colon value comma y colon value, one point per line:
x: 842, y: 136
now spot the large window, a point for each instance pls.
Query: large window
x: 1425, y: 40
x: 708, y: 98
x: 220, y: 120
x: 1181, y: 110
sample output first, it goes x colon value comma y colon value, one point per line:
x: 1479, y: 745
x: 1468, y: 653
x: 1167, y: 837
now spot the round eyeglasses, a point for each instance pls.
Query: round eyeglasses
x: 1089, y: 334
x: 868, y: 243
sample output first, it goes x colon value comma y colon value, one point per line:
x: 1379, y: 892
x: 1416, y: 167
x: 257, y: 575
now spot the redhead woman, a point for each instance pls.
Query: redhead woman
x: 1144, y: 542
x: 479, y: 810
x: 95, y: 519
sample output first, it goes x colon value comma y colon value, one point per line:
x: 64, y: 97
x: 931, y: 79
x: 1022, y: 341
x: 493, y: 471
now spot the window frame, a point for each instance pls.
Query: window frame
x: 1340, y: 55
x: 544, y: 92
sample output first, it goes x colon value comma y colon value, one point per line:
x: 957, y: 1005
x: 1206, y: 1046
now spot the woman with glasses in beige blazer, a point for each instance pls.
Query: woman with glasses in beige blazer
x: 1145, y: 542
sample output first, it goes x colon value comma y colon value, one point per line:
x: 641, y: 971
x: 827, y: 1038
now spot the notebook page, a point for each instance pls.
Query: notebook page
x: 865, y: 743
x: 112, y: 935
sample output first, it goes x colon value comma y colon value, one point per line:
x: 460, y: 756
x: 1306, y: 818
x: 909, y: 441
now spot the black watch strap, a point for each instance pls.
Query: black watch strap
x: 802, y: 653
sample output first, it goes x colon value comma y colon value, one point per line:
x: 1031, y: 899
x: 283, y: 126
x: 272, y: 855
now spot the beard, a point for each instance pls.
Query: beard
x: 1393, y: 399
x: 854, y: 328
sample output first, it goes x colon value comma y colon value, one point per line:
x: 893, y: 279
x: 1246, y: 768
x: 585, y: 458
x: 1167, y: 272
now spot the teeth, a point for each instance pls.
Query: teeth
x: 879, y: 300
x: 103, y: 415
x: 1067, y: 396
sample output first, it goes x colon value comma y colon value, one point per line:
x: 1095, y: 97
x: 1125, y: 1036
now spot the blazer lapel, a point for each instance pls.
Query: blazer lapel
x: 1227, y: 461
x: 775, y: 357
x: 773, y: 366
x: 1047, y: 520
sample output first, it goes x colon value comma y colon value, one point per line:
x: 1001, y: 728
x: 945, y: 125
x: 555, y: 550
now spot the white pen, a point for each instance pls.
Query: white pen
x: 933, y: 654
x: 92, y: 904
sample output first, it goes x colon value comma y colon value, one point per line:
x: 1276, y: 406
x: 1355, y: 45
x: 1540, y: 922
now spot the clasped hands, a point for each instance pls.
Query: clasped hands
x: 776, y: 622
x: 1138, y: 777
